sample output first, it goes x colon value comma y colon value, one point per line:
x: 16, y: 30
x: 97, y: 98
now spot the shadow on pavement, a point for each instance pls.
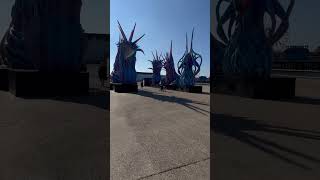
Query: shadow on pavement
x: 173, y: 99
x: 97, y: 99
x: 239, y: 127
x: 304, y: 100
x: 100, y: 101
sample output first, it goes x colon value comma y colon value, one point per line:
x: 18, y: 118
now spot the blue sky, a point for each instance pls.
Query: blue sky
x: 162, y: 21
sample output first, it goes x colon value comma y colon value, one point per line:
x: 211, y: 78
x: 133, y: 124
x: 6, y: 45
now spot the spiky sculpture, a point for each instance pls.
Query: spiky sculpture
x: 168, y: 65
x: 248, y: 45
x: 188, y: 65
x: 42, y: 40
x: 12, y: 46
x: 156, y: 68
x: 124, y: 66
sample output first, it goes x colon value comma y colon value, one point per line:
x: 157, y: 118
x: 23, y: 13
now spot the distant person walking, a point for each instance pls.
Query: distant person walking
x: 141, y: 84
x: 161, y: 86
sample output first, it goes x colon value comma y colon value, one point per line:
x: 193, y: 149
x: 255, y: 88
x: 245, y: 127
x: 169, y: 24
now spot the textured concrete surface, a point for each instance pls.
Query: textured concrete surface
x: 54, y: 138
x: 260, y: 139
x: 160, y: 135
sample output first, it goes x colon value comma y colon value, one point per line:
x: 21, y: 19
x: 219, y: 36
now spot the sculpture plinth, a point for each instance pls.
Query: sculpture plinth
x: 171, y: 87
x: 193, y: 89
x: 34, y: 83
x: 4, y: 80
x: 147, y: 81
x: 125, y: 88
x: 273, y: 88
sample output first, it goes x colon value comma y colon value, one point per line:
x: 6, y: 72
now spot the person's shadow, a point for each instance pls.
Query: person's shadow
x: 239, y: 128
x: 173, y: 99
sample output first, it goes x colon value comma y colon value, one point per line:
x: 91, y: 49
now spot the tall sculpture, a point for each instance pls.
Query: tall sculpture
x: 248, y: 45
x: 168, y: 65
x: 157, y: 64
x: 124, y: 66
x: 13, y: 44
x: 44, y: 35
x: 189, y: 65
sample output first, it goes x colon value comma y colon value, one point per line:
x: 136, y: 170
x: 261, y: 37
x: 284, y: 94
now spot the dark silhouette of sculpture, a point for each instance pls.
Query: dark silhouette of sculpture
x: 44, y: 35
x: 171, y: 75
x: 157, y: 64
x: 13, y: 47
x: 103, y: 72
x: 189, y: 65
x: 248, y: 45
x: 124, y: 66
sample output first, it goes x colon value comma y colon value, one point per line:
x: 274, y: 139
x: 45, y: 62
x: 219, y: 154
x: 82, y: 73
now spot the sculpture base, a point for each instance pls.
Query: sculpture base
x: 32, y: 83
x: 194, y: 89
x: 125, y: 88
x: 147, y: 81
x: 171, y: 87
x: 4, y: 79
x: 274, y: 88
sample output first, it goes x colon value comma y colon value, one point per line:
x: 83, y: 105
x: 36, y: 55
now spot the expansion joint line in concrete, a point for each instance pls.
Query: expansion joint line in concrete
x: 173, y: 168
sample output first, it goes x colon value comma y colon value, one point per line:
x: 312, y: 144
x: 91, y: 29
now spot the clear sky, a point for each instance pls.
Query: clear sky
x: 304, y: 22
x: 162, y: 21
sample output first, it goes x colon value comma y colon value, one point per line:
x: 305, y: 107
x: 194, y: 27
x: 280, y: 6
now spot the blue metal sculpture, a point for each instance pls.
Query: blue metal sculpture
x: 37, y: 39
x: 189, y: 65
x: 168, y: 65
x: 156, y: 68
x: 249, y: 44
x: 124, y: 66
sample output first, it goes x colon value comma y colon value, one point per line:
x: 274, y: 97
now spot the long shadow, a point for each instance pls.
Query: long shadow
x: 100, y: 101
x: 97, y: 99
x: 173, y: 99
x: 238, y: 127
x: 303, y: 100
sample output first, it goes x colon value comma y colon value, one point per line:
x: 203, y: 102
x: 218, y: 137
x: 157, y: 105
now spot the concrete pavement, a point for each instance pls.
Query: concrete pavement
x: 261, y: 139
x: 160, y: 135
x: 54, y: 138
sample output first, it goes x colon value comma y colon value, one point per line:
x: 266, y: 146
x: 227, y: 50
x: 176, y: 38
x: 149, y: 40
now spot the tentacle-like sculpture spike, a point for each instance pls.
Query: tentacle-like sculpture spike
x: 132, y: 32
x: 271, y: 11
x: 187, y: 43
x: 171, y: 48
x: 222, y: 20
x: 138, y: 39
x: 153, y: 55
x: 122, y: 32
x: 191, y: 40
x: 231, y: 23
x: 284, y: 15
x: 168, y: 64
